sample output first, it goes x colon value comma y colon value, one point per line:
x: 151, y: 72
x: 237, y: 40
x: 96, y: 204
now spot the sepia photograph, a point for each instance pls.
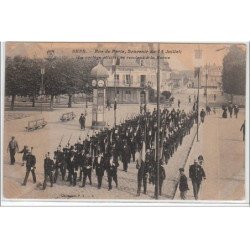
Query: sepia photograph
x: 118, y: 122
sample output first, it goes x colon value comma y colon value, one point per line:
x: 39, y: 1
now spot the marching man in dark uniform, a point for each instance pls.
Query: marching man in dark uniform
x: 30, y: 167
x: 196, y: 174
x: 81, y: 161
x: 142, y: 177
x: 59, y: 164
x: 99, y: 167
x: 48, y: 171
x: 72, y: 167
x: 82, y: 121
x: 12, y: 148
x: 162, y: 176
x: 125, y: 156
x: 112, y: 166
x: 87, y: 170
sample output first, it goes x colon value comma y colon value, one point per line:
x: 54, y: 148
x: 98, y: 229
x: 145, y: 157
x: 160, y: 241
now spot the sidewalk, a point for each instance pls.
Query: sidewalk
x: 220, y: 143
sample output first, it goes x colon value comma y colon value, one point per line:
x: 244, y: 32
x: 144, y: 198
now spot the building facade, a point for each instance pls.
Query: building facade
x: 213, y: 73
x: 130, y: 80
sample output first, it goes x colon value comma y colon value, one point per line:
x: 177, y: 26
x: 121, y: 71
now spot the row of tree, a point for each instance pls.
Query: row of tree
x: 234, y: 71
x: 62, y: 75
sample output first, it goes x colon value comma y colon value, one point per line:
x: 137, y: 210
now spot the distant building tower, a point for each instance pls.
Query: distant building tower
x: 99, y: 75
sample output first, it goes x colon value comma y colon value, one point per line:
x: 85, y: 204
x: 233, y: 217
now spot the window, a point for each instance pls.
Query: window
x: 128, y: 95
x: 128, y: 79
x: 141, y: 62
x: 116, y: 78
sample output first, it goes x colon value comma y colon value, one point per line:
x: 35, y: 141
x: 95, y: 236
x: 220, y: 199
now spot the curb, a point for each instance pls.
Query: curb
x: 187, y: 156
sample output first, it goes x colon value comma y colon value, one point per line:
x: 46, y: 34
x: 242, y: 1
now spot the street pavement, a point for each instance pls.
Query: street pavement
x: 212, y: 132
x: 220, y: 143
x: 47, y: 139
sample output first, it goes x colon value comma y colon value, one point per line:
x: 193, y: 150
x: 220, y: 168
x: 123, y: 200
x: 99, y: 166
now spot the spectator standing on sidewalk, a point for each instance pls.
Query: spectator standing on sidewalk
x: 82, y: 121
x: 183, y: 184
x: 24, y: 151
x: 236, y: 111
x: 12, y: 148
x: 196, y: 174
x: 230, y: 109
x: 243, y: 130
x: 202, y: 115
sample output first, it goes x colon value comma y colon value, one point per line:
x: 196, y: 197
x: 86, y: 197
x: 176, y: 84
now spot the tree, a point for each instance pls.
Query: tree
x: 53, y: 83
x: 21, y: 78
x: 234, y: 71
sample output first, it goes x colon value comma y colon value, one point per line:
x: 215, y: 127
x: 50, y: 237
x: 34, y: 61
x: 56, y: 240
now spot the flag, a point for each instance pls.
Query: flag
x: 115, y: 105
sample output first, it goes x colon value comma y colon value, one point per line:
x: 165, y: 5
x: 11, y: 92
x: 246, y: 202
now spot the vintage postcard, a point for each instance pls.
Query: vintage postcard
x: 124, y: 122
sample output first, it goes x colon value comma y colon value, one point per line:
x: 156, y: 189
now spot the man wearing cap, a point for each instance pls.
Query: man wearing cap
x: 30, y: 167
x: 48, y: 170
x: 24, y: 151
x: 196, y: 174
x: 12, y: 148
x: 183, y: 184
x: 82, y: 121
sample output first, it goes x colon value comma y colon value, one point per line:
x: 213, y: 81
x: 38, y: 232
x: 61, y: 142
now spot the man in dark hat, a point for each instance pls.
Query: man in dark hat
x: 82, y: 121
x: 183, y: 184
x: 87, y: 170
x: 12, y: 148
x: 196, y: 174
x: 30, y: 167
x: 202, y: 115
x: 99, y: 166
x: 48, y: 170
x: 142, y: 176
x: 126, y: 154
x: 162, y: 176
x: 112, y: 166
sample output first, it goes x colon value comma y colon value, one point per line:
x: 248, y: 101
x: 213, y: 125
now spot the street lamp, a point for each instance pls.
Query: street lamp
x: 42, y: 90
x: 206, y: 83
x: 86, y: 92
x: 198, y: 62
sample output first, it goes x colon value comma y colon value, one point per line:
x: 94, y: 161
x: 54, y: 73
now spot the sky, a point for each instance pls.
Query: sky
x: 182, y: 60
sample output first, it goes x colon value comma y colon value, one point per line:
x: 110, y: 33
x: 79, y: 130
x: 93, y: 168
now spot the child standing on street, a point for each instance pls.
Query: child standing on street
x: 183, y: 185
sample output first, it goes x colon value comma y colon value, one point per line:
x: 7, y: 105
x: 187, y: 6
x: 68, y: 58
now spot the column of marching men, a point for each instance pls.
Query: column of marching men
x: 133, y: 141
